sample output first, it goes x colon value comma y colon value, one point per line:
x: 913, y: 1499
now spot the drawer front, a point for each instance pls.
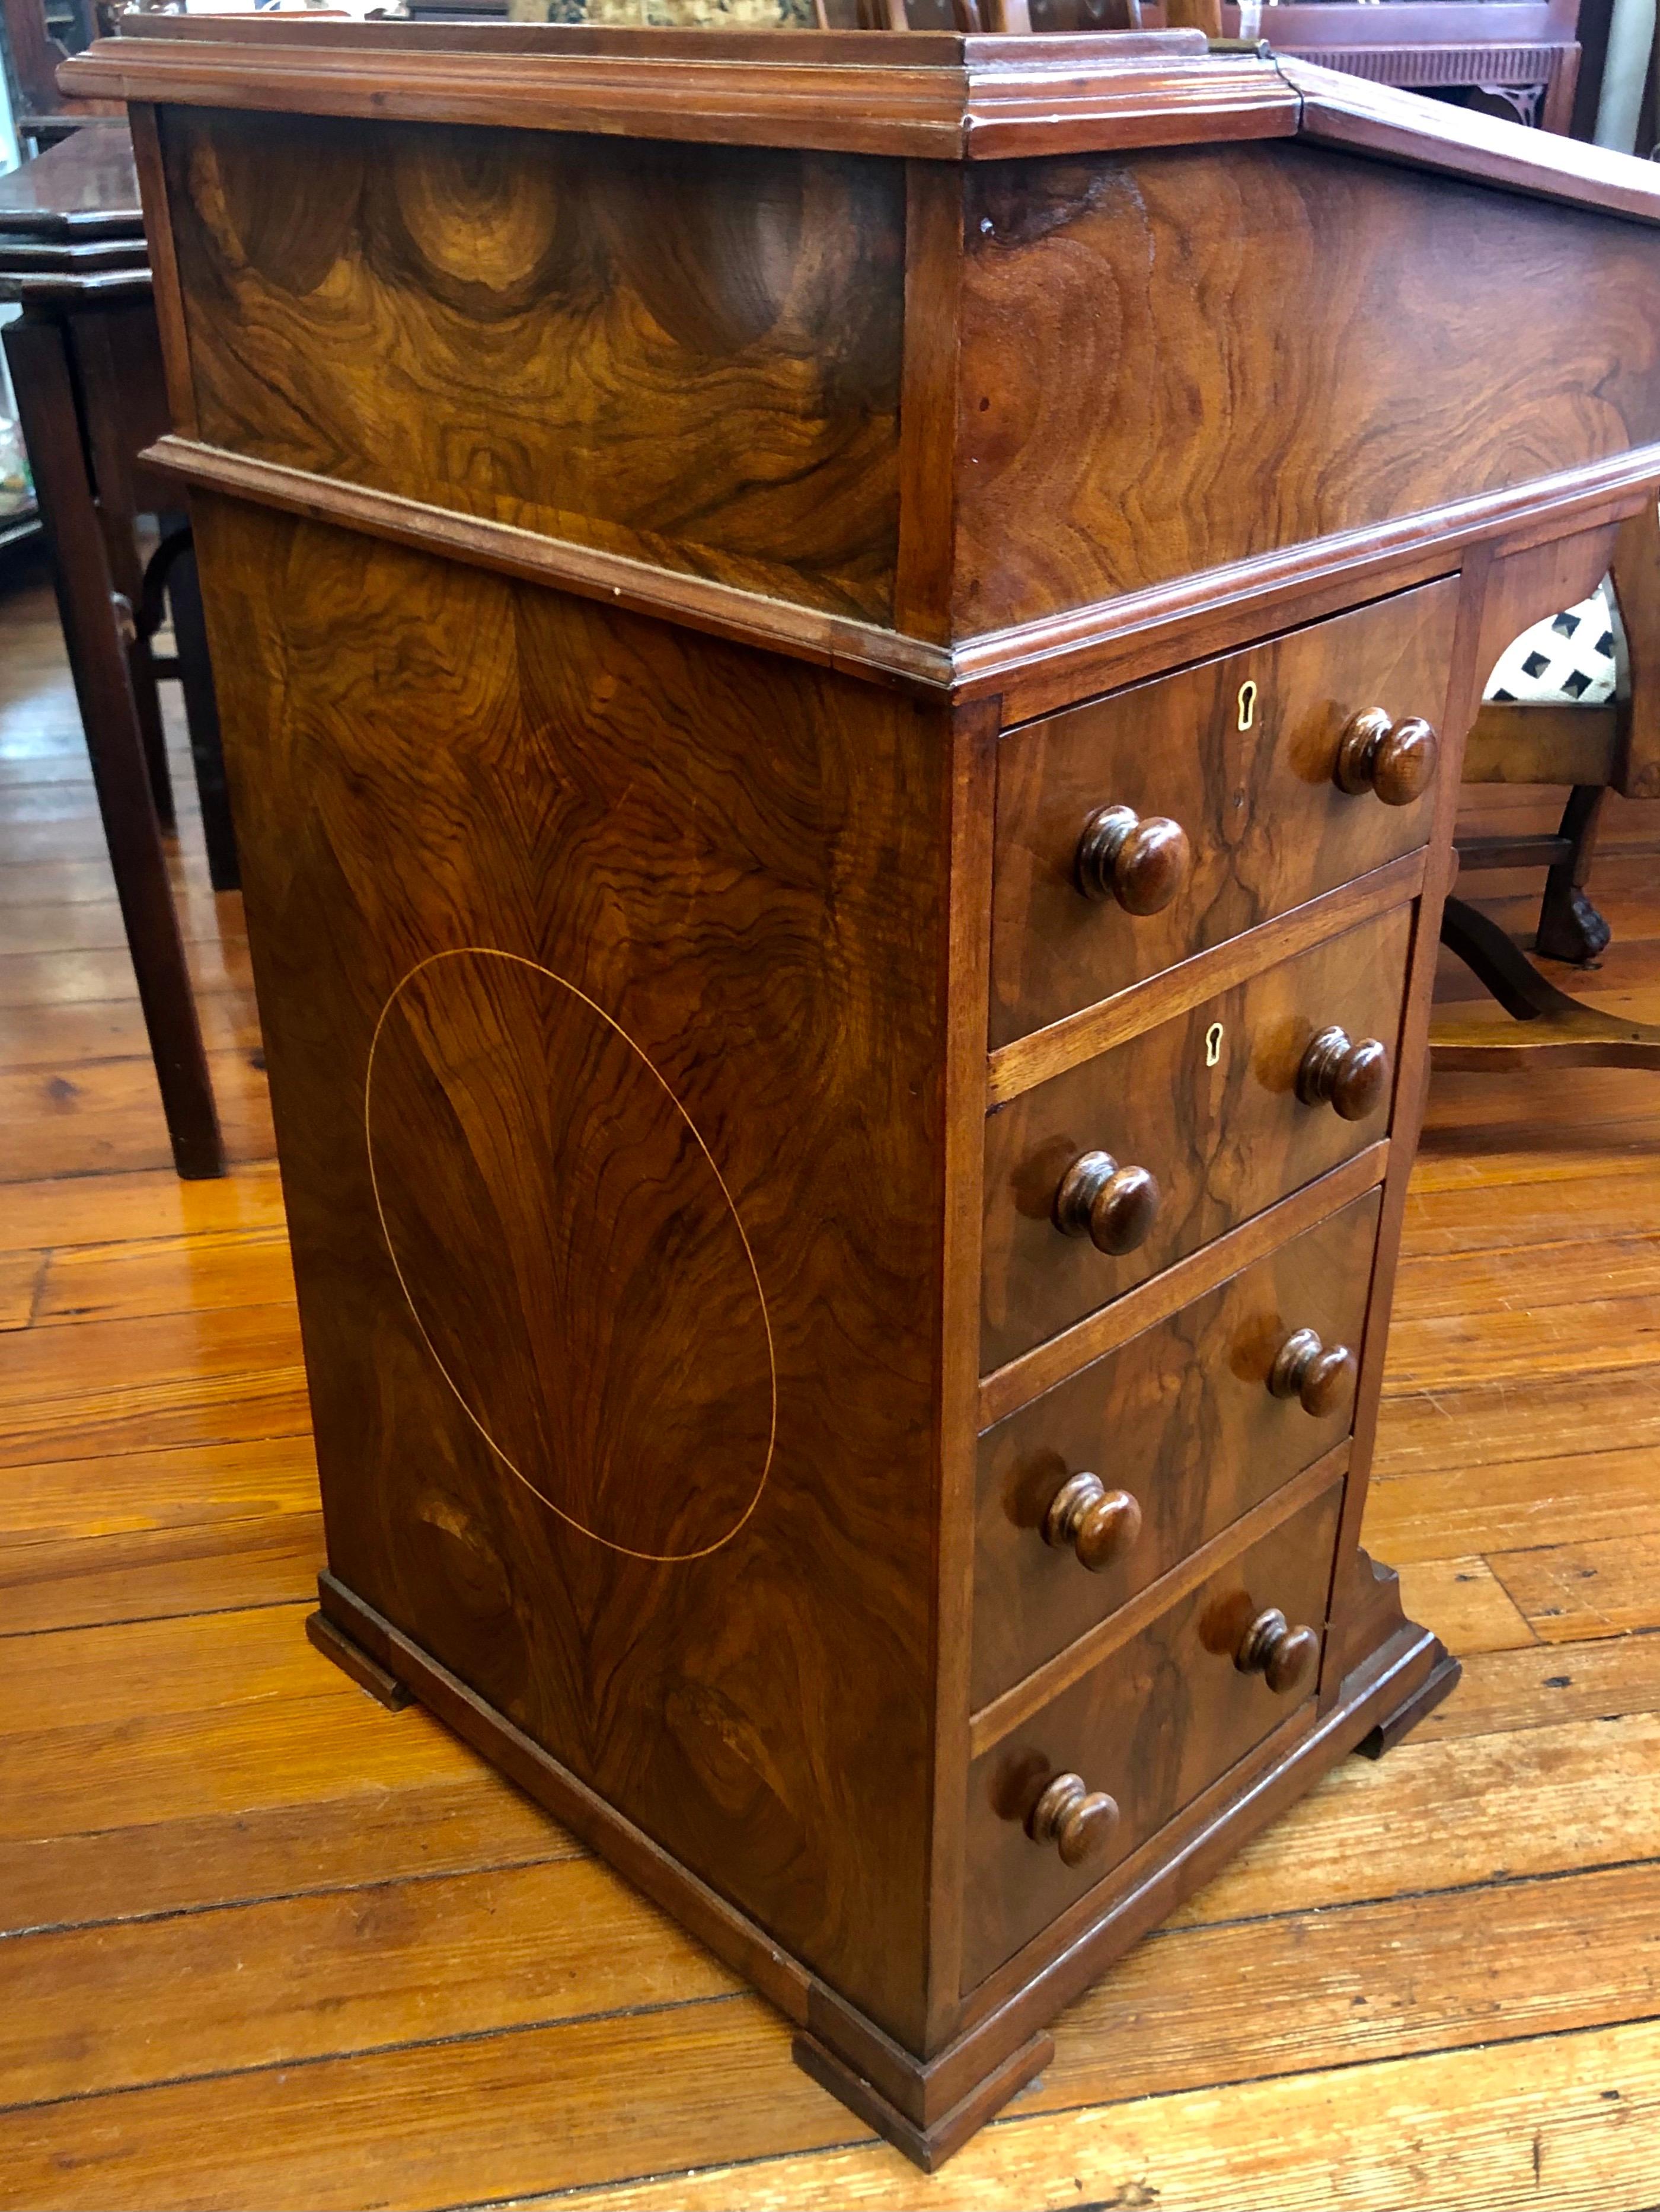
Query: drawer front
x: 1153, y: 1726
x: 1208, y: 1105
x: 1194, y: 1421
x: 1266, y: 821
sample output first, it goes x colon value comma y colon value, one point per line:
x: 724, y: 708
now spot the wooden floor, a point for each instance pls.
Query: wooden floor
x: 270, y: 1947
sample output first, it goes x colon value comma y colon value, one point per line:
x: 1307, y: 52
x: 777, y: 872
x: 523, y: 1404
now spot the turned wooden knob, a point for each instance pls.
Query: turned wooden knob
x: 1393, y: 760
x: 1076, y: 1820
x: 1114, y: 1207
x: 1100, y: 1524
x: 1353, y: 1079
x: 1141, y: 863
x: 1284, y: 1656
x: 1320, y: 1376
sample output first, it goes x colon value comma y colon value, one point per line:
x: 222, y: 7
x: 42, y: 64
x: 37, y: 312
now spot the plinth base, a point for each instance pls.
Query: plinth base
x: 926, y: 2107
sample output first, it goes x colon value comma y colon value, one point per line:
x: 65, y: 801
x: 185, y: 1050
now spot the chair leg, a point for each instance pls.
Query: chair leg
x: 202, y: 713
x: 1569, y: 928
x: 1497, y: 961
x: 1551, y: 1027
x: 38, y: 361
x: 147, y: 704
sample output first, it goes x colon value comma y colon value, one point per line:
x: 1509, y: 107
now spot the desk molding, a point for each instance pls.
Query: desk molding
x: 951, y: 98
x: 1035, y: 667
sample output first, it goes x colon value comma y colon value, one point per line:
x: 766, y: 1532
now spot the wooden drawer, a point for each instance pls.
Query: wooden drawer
x: 1208, y: 1104
x: 1182, y: 1420
x: 1267, y: 824
x: 1153, y: 1725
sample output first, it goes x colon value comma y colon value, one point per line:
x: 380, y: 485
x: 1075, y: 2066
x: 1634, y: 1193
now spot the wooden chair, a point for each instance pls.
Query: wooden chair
x: 38, y: 35
x: 1593, y: 750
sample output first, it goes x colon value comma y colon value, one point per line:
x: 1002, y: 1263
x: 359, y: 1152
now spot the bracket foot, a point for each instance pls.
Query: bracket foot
x: 928, y: 2148
x: 351, y: 1659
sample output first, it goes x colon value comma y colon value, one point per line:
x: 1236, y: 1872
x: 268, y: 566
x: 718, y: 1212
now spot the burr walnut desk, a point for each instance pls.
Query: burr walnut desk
x: 844, y: 660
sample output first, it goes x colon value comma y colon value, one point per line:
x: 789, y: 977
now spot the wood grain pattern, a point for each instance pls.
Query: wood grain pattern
x: 774, y: 948
x: 523, y: 1151
x: 1445, y: 2131
x: 656, y: 351
x: 1182, y: 1417
x: 1155, y: 1723
x: 156, y: 1573
x: 1599, y: 1495
x: 1268, y: 826
x: 169, y: 1379
x: 1223, y: 1140
x: 85, y: 187
x: 1575, y: 1591
x: 1346, y: 111
x: 151, y: 177
x: 138, y: 1205
x: 994, y: 1722
x: 627, y: 1041
x: 973, y: 804
x: 1489, y: 1890
x: 1116, y: 308
x: 1541, y: 1687
x: 132, y: 1281
x: 1463, y: 1599
x: 1046, y: 665
x: 261, y: 1991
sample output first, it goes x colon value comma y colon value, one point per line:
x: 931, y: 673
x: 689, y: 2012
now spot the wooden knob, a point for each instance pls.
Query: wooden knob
x: 1141, y: 864
x: 1320, y: 1376
x: 1353, y: 1079
x: 1114, y: 1207
x: 1100, y: 1524
x: 1076, y: 1820
x: 1393, y: 760
x: 1284, y: 1656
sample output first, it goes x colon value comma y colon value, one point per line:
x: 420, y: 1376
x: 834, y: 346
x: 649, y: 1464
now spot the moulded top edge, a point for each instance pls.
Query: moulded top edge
x: 909, y: 93
x: 935, y: 95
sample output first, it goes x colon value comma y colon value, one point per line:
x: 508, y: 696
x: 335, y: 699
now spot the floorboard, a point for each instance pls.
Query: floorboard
x: 262, y: 1942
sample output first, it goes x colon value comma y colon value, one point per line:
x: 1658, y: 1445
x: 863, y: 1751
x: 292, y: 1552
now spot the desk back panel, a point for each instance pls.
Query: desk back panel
x: 689, y: 355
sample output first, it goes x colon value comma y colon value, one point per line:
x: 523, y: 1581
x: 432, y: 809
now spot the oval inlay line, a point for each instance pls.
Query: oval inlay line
x: 505, y: 1311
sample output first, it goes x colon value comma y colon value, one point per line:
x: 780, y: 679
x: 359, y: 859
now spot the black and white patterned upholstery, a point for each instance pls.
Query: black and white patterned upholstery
x: 1571, y: 658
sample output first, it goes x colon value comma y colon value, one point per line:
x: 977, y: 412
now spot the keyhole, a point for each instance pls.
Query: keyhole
x: 1247, y: 703
x: 1213, y: 1044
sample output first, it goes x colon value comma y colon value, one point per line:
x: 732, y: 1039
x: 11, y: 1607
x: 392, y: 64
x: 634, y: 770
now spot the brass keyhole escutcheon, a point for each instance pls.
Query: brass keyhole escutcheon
x: 1214, y: 1036
x: 1248, y: 702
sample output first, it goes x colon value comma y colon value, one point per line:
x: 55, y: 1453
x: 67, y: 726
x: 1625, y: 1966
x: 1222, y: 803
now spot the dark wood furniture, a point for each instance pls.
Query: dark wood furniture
x: 86, y: 370
x: 845, y: 696
x: 39, y: 34
x: 1593, y: 749
x: 1520, y: 55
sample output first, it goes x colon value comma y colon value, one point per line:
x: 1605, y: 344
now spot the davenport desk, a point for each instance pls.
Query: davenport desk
x: 844, y: 660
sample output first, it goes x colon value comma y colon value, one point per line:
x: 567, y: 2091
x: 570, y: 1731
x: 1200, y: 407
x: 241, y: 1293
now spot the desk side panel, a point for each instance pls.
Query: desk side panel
x: 688, y: 355
x: 602, y: 971
x: 1176, y: 360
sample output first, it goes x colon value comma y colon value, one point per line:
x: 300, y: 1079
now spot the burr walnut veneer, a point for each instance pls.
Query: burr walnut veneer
x: 844, y: 660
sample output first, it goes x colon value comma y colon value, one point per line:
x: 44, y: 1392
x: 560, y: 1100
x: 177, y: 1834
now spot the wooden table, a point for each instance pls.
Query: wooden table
x: 85, y: 368
x: 845, y: 660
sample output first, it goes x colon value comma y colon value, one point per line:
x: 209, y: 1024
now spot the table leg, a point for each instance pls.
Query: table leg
x: 101, y: 342
x: 40, y: 377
